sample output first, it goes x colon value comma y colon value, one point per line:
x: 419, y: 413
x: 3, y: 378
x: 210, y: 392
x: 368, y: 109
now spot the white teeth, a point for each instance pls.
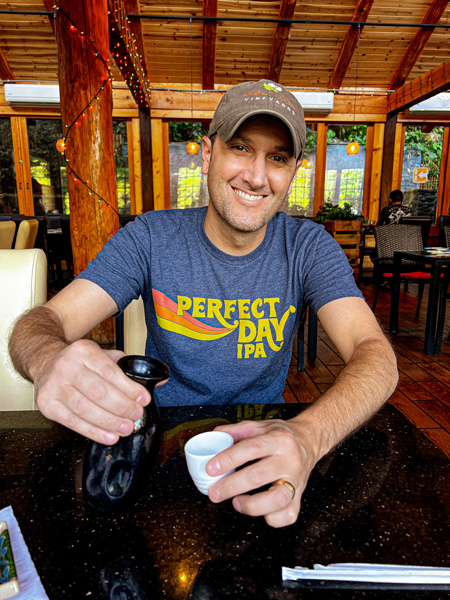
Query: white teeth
x: 247, y: 196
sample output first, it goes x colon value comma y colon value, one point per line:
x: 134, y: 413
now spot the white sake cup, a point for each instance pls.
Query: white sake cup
x: 199, y: 450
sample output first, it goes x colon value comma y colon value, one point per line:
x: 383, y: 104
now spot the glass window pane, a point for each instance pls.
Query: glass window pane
x: 301, y: 200
x: 8, y: 190
x: 188, y: 187
x: 122, y: 172
x: 344, y: 176
x: 421, y: 167
x: 48, y: 168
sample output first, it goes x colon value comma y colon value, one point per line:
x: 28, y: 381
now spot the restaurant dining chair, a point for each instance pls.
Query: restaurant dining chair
x: 26, y: 234
x: 424, y: 222
x: 388, y: 239
x: 7, y: 231
x: 444, y: 293
x: 443, y: 223
x: 131, y: 329
x: 23, y: 284
x: 308, y: 315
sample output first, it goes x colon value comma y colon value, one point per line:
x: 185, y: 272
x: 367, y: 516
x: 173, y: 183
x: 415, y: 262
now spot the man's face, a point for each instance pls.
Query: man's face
x: 250, y: 176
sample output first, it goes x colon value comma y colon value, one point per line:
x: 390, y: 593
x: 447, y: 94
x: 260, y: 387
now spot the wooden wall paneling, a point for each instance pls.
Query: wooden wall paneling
x: 375, y: 177
x: 321, y: 160
x: 158, y: 164
x: 22, y: 165
x: 443, y: 197
x: 398, y: 156
x: 145, y: 127
x: 367, y: 171
x: 209, y: 44
x: 388, y: 158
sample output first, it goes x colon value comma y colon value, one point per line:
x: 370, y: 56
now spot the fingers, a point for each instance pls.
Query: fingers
x: 285, y: 509
x: 87, y: 392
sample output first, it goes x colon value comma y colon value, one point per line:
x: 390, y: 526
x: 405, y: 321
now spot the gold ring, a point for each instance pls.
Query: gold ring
x: 287, y: 484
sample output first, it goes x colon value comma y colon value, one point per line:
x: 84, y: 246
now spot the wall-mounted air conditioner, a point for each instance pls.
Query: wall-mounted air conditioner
x: 17, y: 94
x: 437, y: 105
x: 316, y: 102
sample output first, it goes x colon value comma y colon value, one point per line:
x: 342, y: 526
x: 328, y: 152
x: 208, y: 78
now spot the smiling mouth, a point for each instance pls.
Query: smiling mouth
x: 247, y: 196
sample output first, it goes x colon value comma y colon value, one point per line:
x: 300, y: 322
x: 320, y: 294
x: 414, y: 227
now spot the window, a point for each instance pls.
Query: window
x: 8, y: 189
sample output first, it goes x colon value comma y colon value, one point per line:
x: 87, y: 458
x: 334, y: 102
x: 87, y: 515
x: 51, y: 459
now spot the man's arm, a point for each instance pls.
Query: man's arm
x: 289, y: 449
x: 77, y: 383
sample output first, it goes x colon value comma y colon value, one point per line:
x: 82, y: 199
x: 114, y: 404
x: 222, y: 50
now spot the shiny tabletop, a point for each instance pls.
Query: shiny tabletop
x: 383, y: 497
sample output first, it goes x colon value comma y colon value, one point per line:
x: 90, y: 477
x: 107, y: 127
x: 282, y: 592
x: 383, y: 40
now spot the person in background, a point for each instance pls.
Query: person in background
x: 395, y: 209
x: 223, y: 288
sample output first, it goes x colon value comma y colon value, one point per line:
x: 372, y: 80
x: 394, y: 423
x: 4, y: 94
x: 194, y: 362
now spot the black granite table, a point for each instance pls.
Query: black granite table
x: 383, y: 497
x: 434, y: 264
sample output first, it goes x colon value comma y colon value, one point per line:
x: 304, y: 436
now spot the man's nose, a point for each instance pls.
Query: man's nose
x: 255, y: 174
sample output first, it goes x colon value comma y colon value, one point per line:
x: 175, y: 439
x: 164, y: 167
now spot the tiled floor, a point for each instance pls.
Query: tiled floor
x: 423, y: 392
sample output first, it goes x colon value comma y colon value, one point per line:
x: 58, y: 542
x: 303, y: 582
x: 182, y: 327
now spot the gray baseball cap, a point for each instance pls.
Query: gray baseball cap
x: 259, y: 97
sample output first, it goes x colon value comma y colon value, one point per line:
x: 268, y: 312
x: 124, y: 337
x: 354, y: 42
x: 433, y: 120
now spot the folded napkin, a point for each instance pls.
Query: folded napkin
x: 368, y: 572
x: 30, y: 584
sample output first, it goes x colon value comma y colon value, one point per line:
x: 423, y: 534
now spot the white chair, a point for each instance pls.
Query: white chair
x: 23, y: 285
x: 26, y: 234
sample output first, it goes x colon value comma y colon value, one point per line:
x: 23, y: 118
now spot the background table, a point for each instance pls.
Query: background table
x: 383, y: 496
x: 437, y: 262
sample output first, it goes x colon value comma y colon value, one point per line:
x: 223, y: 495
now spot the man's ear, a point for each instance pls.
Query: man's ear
x: 299, y: 162
x: 206, y: 154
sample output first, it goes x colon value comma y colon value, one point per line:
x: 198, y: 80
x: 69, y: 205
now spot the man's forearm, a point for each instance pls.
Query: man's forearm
x: 363, y: 386
x: 35, y: 339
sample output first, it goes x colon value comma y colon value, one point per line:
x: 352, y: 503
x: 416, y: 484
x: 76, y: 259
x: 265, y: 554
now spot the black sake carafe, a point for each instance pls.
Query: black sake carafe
x: 114, y: 475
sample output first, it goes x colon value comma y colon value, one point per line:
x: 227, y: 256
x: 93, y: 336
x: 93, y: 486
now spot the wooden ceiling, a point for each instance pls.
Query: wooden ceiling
x: 245, y: 42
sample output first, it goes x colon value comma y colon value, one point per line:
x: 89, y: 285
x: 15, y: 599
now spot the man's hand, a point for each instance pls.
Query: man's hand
x: 83, y: 388
x: 276, y: 450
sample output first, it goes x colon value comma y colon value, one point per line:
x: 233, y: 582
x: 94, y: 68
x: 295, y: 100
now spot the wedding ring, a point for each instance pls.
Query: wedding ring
x: 287, y: 484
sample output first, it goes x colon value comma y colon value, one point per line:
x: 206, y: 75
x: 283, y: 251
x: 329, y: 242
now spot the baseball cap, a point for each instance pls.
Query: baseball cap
x: 259, y: 97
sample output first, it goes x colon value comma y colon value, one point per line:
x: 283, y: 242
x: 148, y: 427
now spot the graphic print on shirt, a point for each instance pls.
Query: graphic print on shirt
x: 257, y: 323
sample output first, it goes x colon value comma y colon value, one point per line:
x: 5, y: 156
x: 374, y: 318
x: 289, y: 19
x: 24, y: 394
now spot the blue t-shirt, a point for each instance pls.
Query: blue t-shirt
x: 223, y: 324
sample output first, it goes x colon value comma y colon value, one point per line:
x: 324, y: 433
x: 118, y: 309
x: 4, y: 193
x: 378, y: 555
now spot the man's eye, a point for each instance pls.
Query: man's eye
x: 278, y: 158
x: 239, y: 148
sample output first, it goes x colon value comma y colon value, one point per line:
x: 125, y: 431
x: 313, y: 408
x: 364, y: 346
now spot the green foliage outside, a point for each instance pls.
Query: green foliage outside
x: 186, y: 132
x: 301, y: 190
x: 428, y: 144
x: 351, y: 184
x: 188, y: 191
x: 341, y: 212
x: 342, y: 134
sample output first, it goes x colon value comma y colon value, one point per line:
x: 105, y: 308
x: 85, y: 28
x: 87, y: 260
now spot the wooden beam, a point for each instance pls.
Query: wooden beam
x: 388, y: 159
x: 209, y: 44
x: 19, y: 134
x: 89, y: 149
x: 49, y: 6
x: 435, y: 81
x: 417, y: 44
x: 367, y: 171
x: 6, y: 73
x: 145, y: 126
x: 443, y: 197
x: 321, y: 160
x: 361, y: 14
x: 375, y: 176
x: 137, y: 166
x: 132, y: 7
x: 125, y: 51
x: 159, y: 142
x: 280, y: 40
x: 399, y: 145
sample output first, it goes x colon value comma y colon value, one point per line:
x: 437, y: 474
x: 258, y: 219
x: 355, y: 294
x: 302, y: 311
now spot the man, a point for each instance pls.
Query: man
x: 395, y: 210
x: 223, y: 289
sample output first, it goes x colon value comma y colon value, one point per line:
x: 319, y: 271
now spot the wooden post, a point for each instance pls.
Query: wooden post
x: 82, y: 37
x: 367, y: 171
x: 375, y: 176
x: 388, y: 158
x: 146, y: 160
x: 321, y: 162
x: 19, y: 136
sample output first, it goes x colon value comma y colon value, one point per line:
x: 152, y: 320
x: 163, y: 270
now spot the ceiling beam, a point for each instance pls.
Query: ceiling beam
x: 6, y: 73
x: 209, y: 44
x: 125, y: 51
x: 280, y: 40
x: 360, y: 14
x: 133, y: 7
x: 421, y: 88
x: 49, y: 5
x: 417, y: 44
